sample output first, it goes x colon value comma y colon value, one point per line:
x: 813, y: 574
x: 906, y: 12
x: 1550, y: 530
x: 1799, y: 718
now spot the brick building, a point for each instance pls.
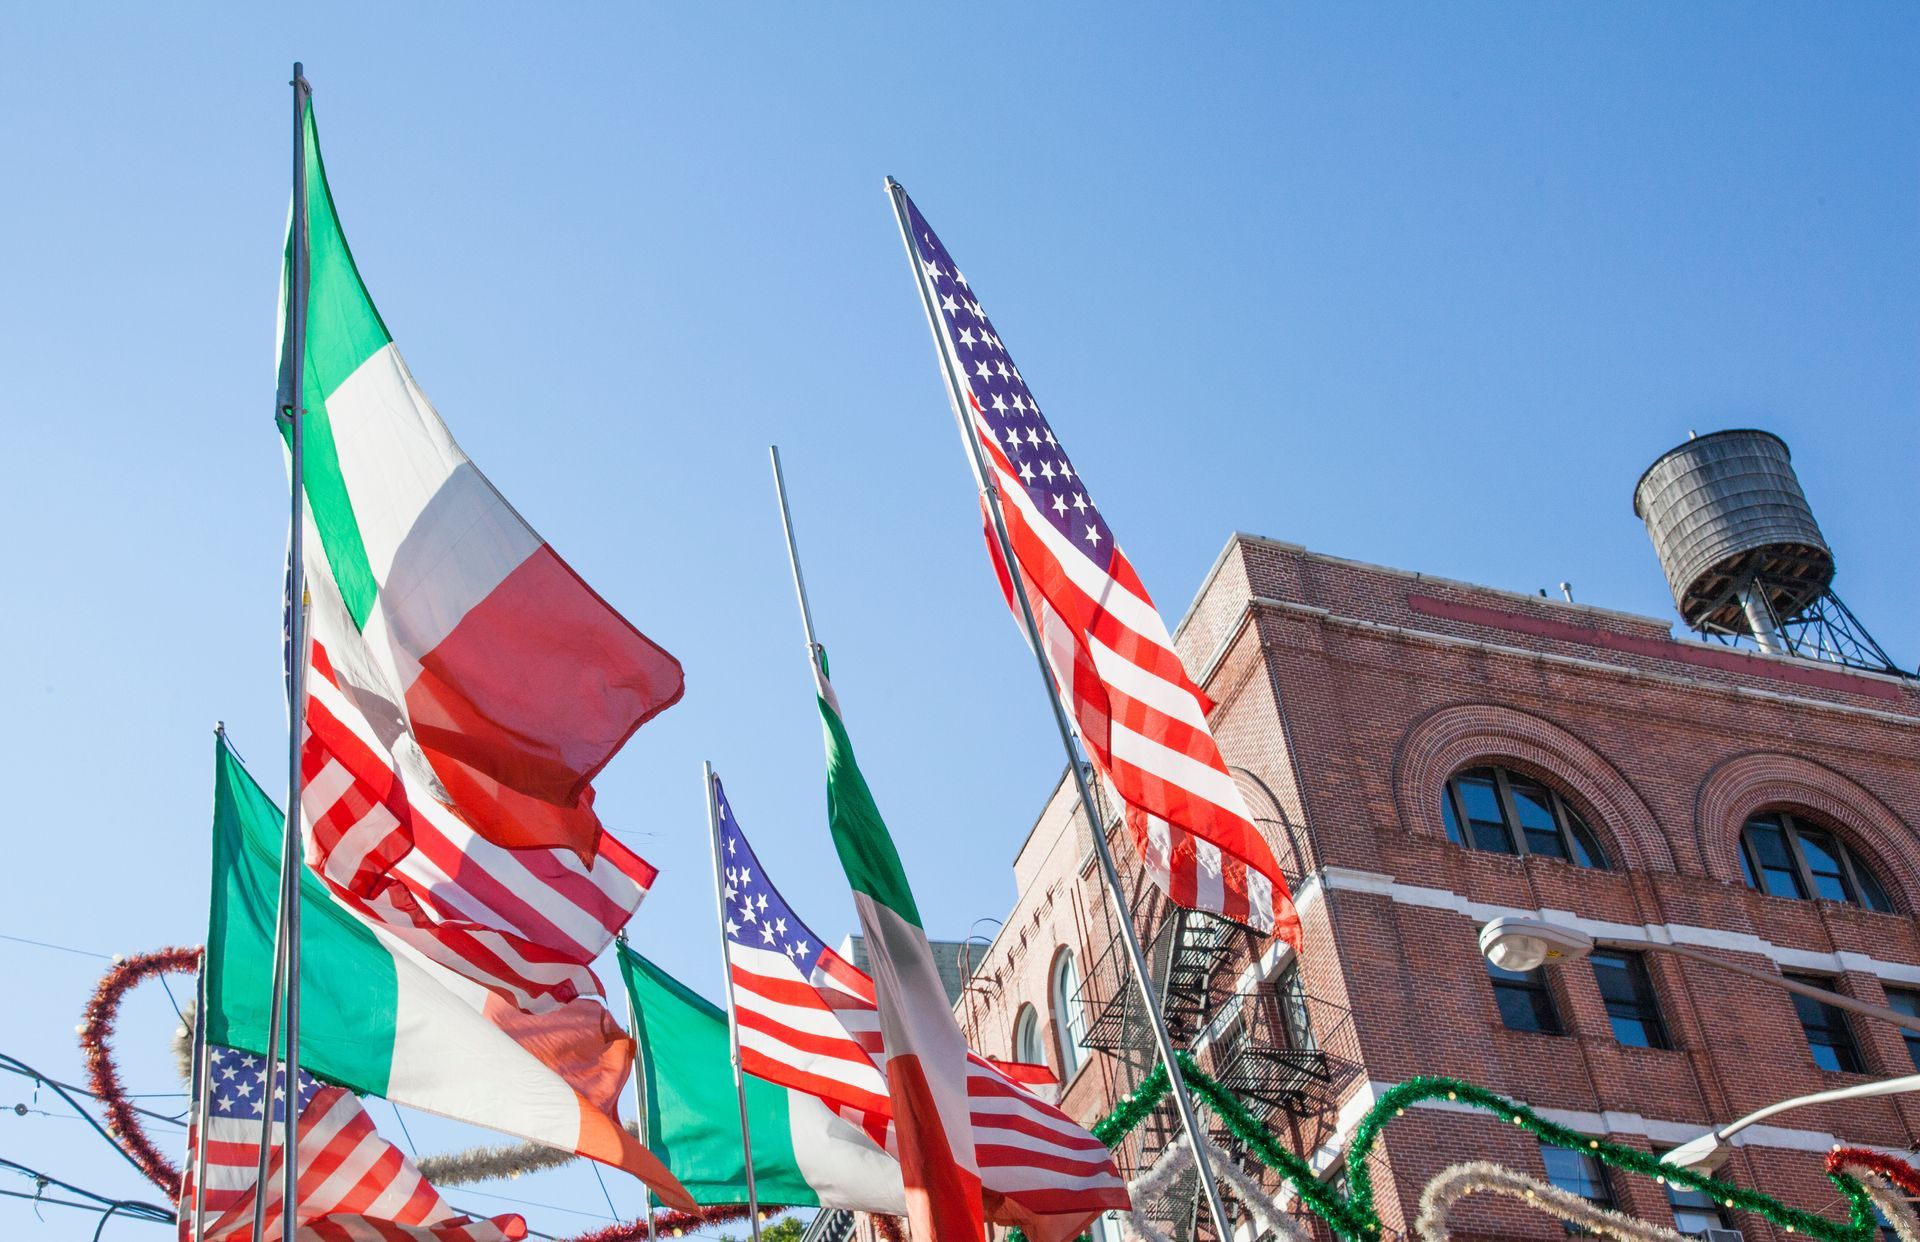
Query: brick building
x: 1427, y: 755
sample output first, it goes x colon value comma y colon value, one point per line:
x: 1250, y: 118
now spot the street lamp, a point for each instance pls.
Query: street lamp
x: 1521, y: 944
x: 1711, y: 1149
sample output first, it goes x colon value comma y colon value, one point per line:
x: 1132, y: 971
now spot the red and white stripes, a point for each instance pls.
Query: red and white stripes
x: 525, y: 923
x: 1034, y: 1160
x: 352, y: 1184
x: 1142, y: 719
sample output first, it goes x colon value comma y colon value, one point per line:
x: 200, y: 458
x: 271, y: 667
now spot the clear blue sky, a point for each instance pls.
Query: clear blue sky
x: 1426, y: 287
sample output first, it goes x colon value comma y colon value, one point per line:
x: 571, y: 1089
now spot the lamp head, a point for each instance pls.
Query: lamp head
x: 1521, y: 944
x: 1706, y: 1153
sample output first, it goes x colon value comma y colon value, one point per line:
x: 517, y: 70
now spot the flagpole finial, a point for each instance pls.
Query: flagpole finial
x: 893, y: 185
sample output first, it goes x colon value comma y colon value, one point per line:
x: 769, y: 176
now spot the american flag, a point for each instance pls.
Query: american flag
x: 806, y: 1014
x: 1141, y: 717
x: 808, y: 1020
x: 525, y: 923
x: 353, y: 1184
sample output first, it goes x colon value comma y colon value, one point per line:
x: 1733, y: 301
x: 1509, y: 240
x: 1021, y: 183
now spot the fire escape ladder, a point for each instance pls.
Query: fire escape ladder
x: 1195, y: 946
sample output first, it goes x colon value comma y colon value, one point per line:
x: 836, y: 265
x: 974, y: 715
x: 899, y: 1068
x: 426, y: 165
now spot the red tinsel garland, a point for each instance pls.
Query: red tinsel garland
x: 1894, y: 1169
x: 104, y: 1077
x: 666, y: 1224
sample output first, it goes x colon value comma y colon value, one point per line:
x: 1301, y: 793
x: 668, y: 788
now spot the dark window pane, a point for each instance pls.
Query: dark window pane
x: 1628, y: 993
x: 1534, y: 805
x: 1872, y: 896
x: 1586, y: 850
x: 1823, y: 860
x: 1828, y: 1034
x: 1902, y: 1001
x: 1768, y: 841
x: 1578, y: 1172
x: 1695, y: 1211
x: 1293, y: 1009
x: 1525, y: 1003
x: 1485, y: 822
x: 1451, y: 820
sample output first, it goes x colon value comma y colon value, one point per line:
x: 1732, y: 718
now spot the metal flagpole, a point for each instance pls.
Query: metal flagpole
x: 956, y: 395
x: 726, y: 970
x: 201, y: 1080
x: 639, y: 1094
x: 793, y: 555
x: 286, y: 974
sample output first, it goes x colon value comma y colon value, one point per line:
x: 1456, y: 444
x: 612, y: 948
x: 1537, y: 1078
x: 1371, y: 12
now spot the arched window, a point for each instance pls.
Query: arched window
x: 1788, y: 856
x: 1505, y: 812
x: 1069, y: 1023
x: 1026, y: 1036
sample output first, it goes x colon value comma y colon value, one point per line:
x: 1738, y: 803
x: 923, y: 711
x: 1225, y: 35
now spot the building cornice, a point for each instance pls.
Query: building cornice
x: 1625, y: 671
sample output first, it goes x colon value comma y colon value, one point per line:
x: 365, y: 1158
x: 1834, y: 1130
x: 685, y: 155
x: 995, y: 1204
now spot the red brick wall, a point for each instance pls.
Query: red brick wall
x: 1346, y: 694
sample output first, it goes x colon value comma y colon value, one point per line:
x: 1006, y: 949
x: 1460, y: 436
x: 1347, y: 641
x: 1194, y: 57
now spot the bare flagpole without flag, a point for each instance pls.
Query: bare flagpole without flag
x: 957, y: 397
x: 793, y: 556
x: 726, y: 970
x: 286, y: 933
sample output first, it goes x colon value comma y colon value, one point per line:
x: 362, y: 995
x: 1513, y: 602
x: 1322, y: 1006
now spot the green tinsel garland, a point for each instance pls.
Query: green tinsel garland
x: 1355, y: 1217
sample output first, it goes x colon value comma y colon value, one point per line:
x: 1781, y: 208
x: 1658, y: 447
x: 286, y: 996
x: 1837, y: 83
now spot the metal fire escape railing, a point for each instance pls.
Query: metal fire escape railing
x: 1289, y: 1056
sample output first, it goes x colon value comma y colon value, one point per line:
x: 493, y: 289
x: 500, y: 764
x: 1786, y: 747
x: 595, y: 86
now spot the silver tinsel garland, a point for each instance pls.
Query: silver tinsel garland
x: 1889, y: 1198
x: 1453, y: 1184
x: 1268, y: 1216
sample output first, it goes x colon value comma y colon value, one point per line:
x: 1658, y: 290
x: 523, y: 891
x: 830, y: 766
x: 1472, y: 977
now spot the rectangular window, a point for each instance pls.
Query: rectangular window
x: 1828, y: 1035
x: 1695, y: 1211
x: 1627, y: 990
x: 1580, y: 1173
x: 1901, y: 1000
x: 1524, y: 1001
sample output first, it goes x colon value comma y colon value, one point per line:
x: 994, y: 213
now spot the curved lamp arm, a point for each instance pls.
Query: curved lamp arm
x: 1710, y: 1148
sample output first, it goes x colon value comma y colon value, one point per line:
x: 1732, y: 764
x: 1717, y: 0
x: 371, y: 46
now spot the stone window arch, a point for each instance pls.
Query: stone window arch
x: 1450, y: 740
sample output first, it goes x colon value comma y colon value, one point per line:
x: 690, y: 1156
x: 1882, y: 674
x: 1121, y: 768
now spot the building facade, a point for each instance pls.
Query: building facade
x: 1426, y: 756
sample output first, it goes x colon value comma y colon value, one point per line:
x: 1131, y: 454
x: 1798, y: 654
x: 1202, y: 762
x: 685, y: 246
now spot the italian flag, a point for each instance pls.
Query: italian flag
x: 490, y: 666
x: 804, y: 1154
x: 378, y: 1018
x: 925, y: 1054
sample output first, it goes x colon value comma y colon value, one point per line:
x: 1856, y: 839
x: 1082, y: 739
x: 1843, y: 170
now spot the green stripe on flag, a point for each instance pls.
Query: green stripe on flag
x: 343, y: 331
x: 348, y: 990
x: 866, y: 847
x: 685, y: 1058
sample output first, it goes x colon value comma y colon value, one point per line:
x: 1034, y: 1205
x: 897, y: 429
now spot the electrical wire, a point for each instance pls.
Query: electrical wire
x: 608, y: 1194
x: 21, y: 1067
x: 58, y: 948
x: 136, y: 1209
x: 15, y: 1065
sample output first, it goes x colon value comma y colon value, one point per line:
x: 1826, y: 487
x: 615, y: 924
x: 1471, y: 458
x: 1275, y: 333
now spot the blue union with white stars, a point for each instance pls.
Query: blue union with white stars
x: 235, y: 1085
x: 1006, y: 405
x: 758, y: 917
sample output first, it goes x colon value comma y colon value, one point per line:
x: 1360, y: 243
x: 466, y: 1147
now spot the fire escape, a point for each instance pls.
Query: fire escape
x: 1287, y: 1055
